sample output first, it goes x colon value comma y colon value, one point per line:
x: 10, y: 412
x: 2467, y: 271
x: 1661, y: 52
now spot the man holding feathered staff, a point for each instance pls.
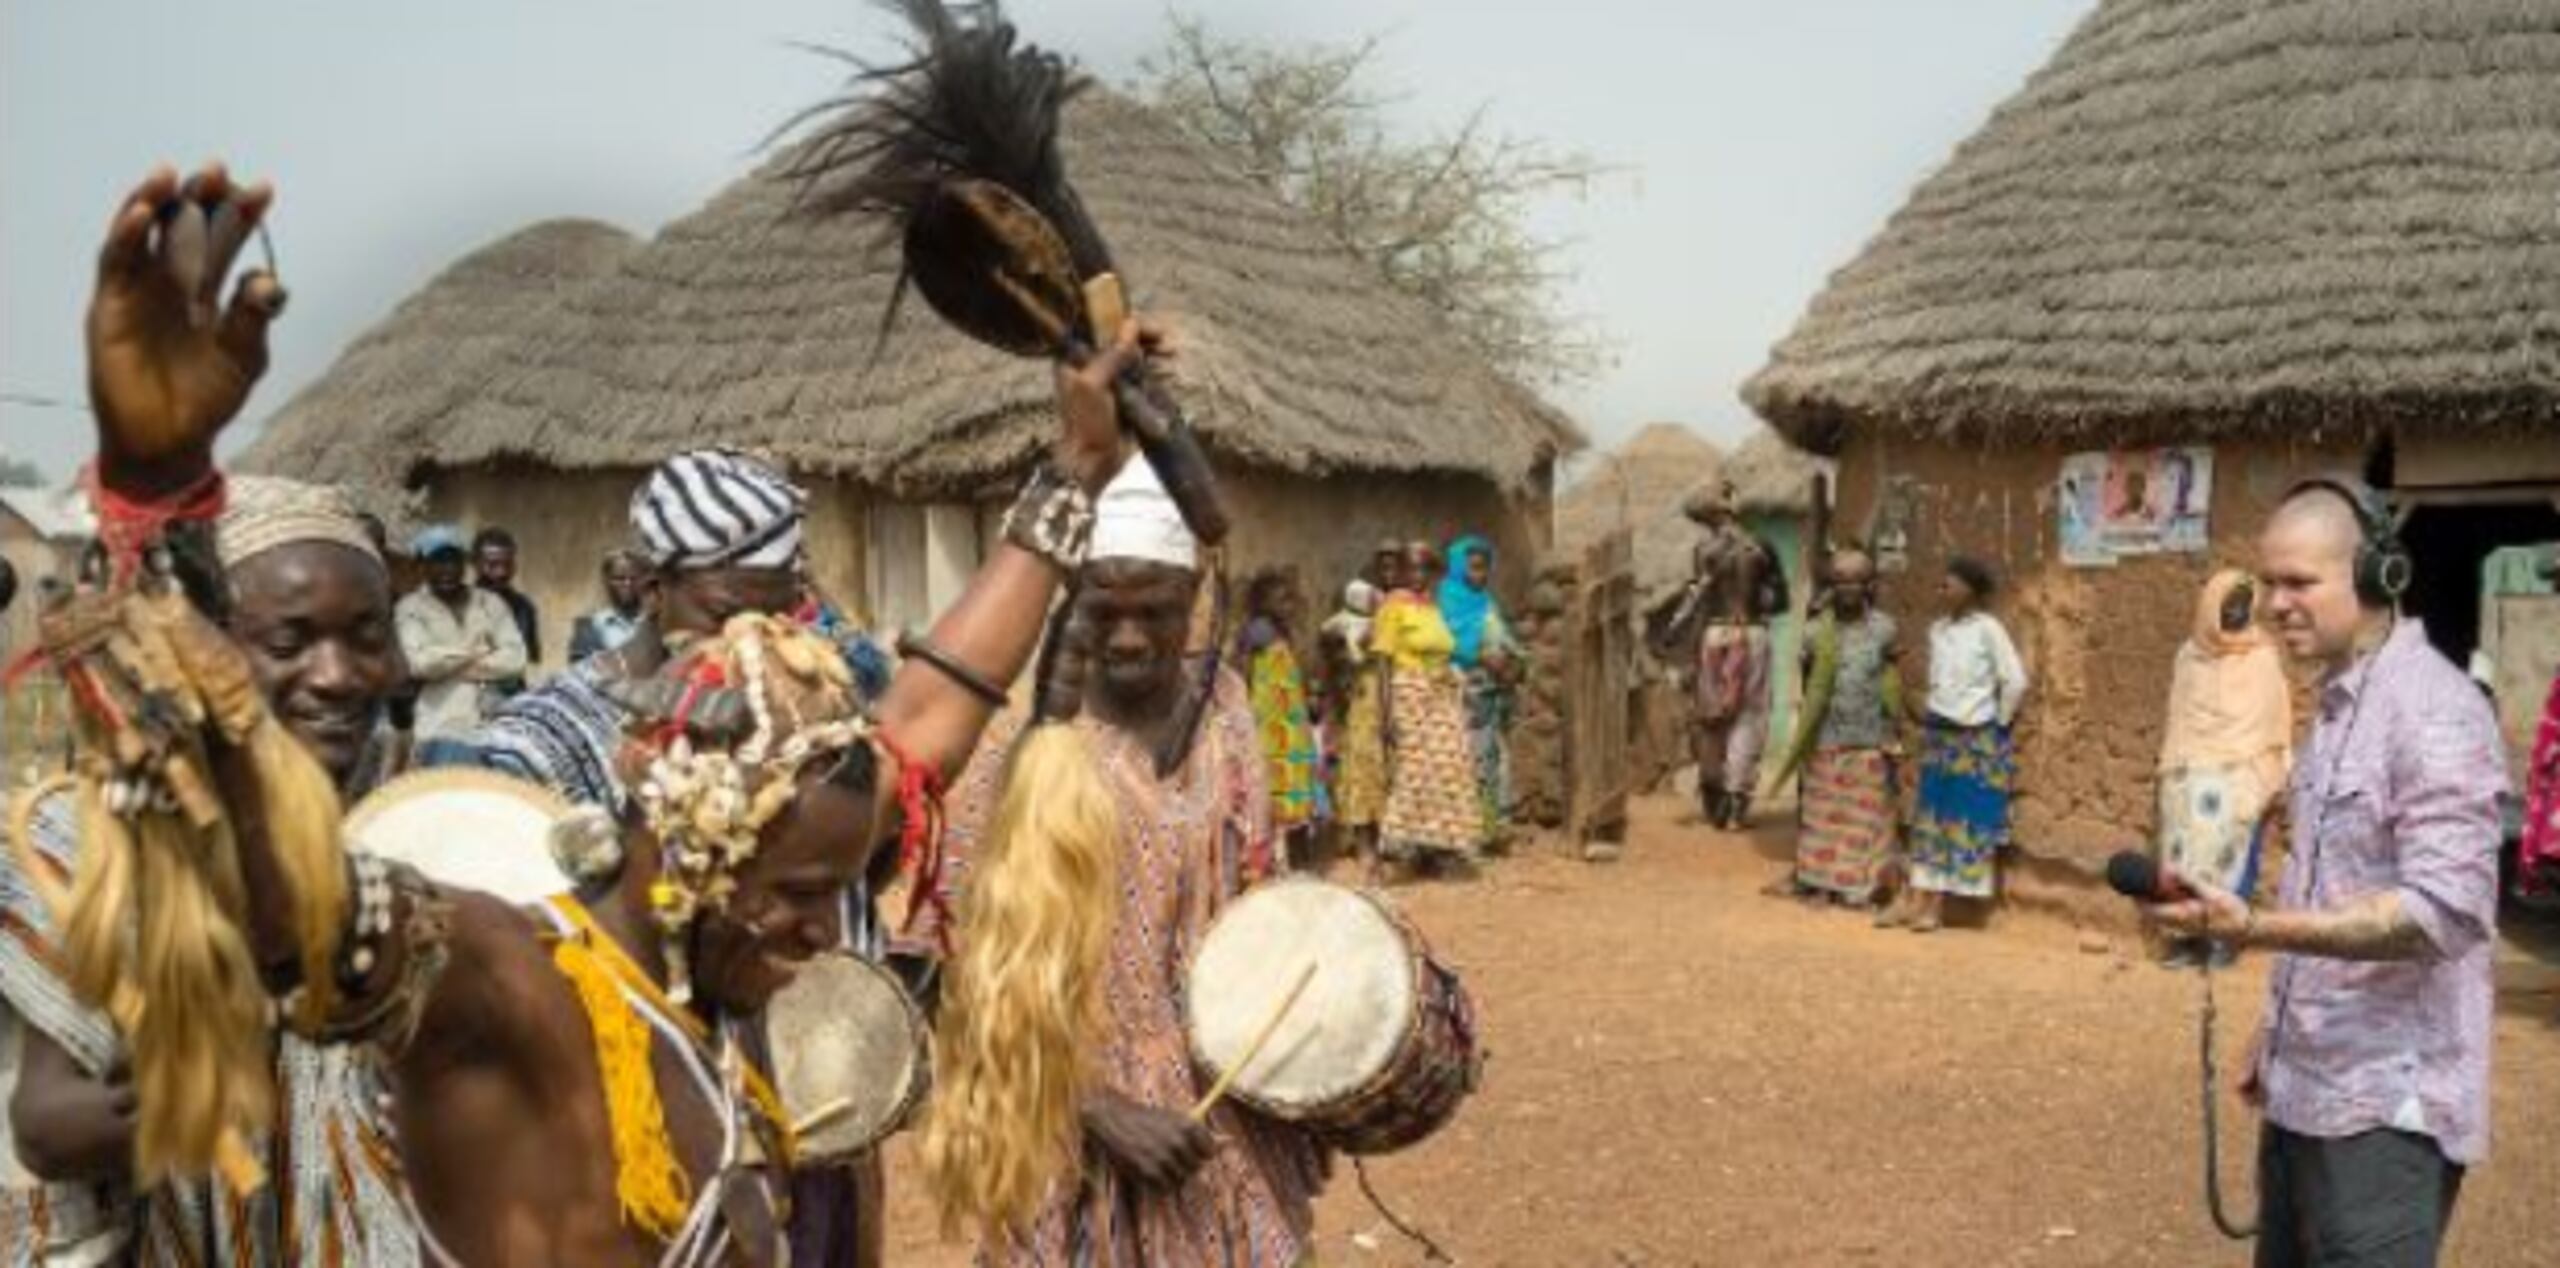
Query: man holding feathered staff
x: 1062, y: 1128
x: 575, y: 1084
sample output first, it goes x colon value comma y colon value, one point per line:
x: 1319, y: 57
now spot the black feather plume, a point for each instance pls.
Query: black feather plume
x: 971, y: 103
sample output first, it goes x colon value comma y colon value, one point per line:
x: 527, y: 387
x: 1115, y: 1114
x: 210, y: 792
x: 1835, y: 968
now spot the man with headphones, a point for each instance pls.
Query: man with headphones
x: 2372, y: 1061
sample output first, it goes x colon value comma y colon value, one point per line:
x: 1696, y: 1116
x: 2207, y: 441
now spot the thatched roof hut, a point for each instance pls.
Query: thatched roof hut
x: 744, y: 324
x: 2285, y: 235
x: 1339, y: 409
x: 1639, y: 485
x: 382, y: 403
x: 2216, y: 217
x: 1771, y: 477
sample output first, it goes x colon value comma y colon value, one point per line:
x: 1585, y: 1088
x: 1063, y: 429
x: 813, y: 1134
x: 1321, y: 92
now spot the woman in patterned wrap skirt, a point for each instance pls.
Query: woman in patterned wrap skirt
x: 1434, y: 810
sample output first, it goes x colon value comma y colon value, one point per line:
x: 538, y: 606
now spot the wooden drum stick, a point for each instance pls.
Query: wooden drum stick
x: 1270, y: 1025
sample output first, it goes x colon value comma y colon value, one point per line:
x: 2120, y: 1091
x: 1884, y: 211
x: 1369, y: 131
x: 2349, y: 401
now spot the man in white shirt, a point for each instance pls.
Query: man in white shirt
x: 458, y: 638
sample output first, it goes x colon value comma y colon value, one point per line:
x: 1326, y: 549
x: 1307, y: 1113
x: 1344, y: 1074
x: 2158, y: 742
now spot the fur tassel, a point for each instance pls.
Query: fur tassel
x: 1014, y: 1046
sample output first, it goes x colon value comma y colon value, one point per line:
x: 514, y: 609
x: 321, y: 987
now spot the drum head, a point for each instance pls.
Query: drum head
x: 1356, y: 1013
x: 845, y: 1033
x: 473, y: 829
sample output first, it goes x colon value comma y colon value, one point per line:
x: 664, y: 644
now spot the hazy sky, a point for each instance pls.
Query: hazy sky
x: 1762, y: 142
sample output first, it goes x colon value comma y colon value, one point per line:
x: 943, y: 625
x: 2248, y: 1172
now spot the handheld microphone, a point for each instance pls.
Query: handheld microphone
x: 2139, y: 878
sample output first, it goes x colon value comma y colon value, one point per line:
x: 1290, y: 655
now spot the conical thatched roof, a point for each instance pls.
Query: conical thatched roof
x: 1640, y: 484
x: 741, y: 324
x: 1770, y: 476
x: 359, y: 423
x: 2215, y: 216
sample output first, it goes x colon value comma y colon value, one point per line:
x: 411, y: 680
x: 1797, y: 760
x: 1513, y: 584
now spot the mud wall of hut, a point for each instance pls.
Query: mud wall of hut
x: 2099, y: 642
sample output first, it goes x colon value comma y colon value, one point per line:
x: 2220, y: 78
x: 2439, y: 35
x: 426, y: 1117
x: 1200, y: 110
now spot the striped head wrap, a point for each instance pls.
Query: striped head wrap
x: 716, y: 508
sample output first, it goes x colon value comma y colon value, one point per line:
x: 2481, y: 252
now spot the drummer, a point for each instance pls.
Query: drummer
x: 1157, y: 1187
x: 573, y: 1090
x: 723, y: 531
x: 309, y: 600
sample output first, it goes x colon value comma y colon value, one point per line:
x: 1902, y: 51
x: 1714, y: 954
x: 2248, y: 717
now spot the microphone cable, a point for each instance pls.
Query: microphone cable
x: 2207, y: 1092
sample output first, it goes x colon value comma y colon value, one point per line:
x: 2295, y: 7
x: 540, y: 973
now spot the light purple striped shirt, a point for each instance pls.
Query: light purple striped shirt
x: 2396, y: 792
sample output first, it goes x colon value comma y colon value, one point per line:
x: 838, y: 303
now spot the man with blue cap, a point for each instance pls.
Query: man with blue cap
x: 460, y: 641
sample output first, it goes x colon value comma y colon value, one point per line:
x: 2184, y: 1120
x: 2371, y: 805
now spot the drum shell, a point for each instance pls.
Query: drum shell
x: 1435, y: 1065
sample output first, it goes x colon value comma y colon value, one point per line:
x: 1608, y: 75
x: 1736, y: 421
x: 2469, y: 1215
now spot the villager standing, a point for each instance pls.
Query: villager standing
x: 1434, y: 813
x: 2227, y: 748
x: 1847, y: 741
x: 1968, y: 761
x: 1093, y: 870
x: 2539, y: 859
x: 1282, y: 712
x: 461, y: 643
x: 2372, y: 1064
x: 627, y: 596
x: 493, y: 568
x: 1356, y: 682
x: 1488, y: 659
x: 1735, y: 587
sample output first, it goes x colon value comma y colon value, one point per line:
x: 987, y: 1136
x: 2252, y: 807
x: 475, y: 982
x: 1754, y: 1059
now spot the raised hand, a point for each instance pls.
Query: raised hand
x: 168, y: 366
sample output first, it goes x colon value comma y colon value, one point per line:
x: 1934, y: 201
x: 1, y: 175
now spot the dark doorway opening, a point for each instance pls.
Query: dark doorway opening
x: 2449, y: 543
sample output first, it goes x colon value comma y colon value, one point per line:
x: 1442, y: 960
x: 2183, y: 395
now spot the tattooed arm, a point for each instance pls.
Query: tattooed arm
x: 2375, y: 927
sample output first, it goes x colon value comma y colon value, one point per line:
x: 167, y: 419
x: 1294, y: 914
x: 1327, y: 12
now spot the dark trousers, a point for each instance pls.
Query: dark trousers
x: 2382, y: 1199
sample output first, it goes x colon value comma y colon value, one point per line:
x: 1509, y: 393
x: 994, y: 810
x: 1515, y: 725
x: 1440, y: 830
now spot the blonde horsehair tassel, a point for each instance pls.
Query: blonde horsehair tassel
x: 1014, y: 1047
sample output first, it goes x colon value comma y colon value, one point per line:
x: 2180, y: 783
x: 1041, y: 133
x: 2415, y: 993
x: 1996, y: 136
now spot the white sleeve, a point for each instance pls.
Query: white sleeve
x: 2012, y: 671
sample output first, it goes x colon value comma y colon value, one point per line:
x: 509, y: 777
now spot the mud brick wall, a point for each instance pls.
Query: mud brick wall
x: 2098, y: 642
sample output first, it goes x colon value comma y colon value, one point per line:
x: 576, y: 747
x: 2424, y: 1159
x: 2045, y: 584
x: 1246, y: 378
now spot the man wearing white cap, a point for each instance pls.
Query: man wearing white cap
x: 1157, y: 1187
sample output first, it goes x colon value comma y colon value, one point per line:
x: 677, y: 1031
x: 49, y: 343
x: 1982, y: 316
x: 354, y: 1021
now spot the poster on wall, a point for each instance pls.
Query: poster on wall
x: 2134, y: 502
x: 2084, y: 483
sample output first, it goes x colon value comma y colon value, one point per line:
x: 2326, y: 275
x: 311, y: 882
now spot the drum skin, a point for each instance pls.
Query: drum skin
x: 468, y: 828
x: 845, y: 1030
x: 1381, y: 1050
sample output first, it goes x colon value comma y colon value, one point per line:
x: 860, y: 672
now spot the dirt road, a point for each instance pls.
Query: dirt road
x: 1685, y: 1072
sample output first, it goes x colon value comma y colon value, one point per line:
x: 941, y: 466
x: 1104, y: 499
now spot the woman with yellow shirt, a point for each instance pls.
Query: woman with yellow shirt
x: 1434, y: 812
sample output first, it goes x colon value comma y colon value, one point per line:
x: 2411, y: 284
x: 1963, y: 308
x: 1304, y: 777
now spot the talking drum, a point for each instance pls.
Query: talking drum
x: 849, y: 1055
x: 1375, y: 1052
x: 471, y: 829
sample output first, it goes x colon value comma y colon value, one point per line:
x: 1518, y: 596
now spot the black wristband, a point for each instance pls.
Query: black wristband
x: 970, y: 680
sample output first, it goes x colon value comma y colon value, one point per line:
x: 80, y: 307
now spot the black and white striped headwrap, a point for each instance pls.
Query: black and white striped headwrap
x: 714, y: 508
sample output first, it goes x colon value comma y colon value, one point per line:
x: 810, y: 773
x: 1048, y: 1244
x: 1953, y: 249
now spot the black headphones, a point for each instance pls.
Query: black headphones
x: 2383, y: 567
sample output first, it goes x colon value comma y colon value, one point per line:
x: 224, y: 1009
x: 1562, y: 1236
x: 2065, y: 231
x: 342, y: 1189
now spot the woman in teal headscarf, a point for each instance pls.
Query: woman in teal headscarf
x: 1489, y: 660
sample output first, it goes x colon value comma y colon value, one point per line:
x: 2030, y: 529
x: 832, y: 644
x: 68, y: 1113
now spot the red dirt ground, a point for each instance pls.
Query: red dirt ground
x: 1685, y: 1072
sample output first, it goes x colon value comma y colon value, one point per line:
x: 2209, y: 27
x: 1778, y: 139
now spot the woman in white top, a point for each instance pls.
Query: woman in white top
x: 1967, y: 765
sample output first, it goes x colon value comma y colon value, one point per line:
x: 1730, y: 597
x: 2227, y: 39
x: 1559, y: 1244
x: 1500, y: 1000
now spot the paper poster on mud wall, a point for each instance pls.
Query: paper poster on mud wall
x: 2079, y: 496
x: 2147, y: 501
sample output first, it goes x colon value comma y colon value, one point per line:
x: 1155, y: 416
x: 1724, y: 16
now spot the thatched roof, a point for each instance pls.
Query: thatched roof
x: 1640, y: 485
x: 1770, y: 476
x: 742, y: 324
x: 2217, y: 216
x: 363, y: 421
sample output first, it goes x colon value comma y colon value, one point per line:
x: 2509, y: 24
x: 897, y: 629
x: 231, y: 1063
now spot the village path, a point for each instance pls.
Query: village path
x: 1685, y: 1072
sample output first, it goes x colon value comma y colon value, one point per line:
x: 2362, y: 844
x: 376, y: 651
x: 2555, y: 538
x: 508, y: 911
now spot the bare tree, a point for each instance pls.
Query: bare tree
x: 1444, y: 217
